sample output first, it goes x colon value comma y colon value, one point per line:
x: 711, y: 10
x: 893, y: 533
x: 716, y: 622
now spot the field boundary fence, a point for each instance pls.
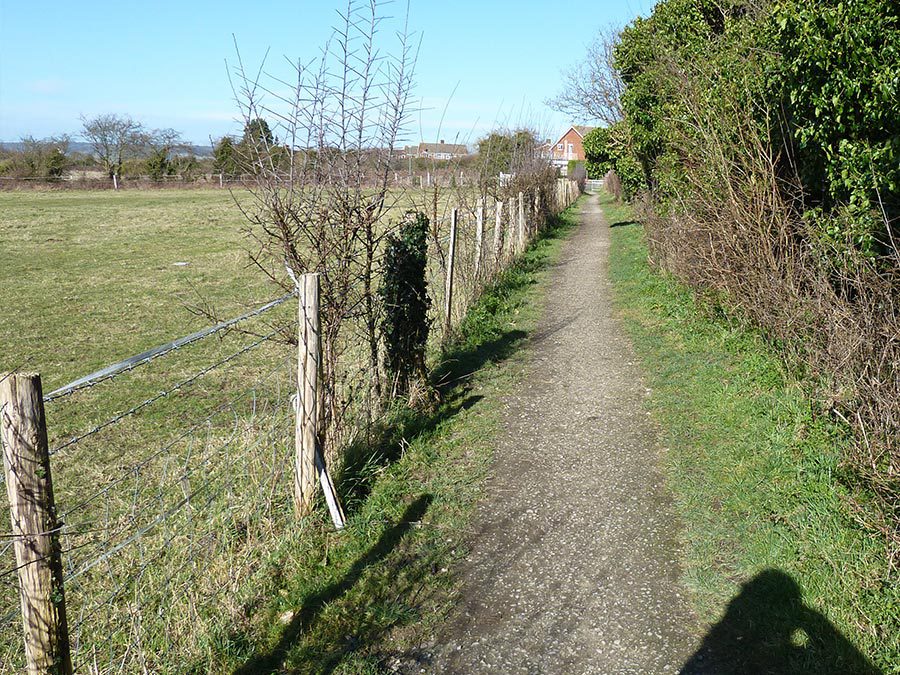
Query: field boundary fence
x: 137, y: 533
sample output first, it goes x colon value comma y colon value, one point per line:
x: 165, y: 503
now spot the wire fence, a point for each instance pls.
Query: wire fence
x: 174, y: 503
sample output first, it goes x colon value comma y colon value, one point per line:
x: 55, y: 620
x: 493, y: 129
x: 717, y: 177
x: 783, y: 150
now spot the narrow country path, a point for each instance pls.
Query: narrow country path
x: 574, y: 562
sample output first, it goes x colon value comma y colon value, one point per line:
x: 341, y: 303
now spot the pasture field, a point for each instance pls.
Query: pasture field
x: 89, y: 277
x: 200, y: 477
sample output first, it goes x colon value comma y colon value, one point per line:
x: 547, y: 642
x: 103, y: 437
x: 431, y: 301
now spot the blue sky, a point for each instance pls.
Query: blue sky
x: 164, y: 62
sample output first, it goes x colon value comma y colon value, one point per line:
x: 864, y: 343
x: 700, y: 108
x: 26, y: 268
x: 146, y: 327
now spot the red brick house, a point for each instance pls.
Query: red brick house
x: 569, y: 146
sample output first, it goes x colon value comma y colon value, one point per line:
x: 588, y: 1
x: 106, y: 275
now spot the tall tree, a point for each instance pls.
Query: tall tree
x: 113, y: 138
x: 591, y: 89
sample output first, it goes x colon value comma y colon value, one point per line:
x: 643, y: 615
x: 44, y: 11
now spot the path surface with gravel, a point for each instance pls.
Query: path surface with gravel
x: 574, y: 562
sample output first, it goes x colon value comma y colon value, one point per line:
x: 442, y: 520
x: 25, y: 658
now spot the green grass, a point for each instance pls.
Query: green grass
x: 347, y: 602
x: 756, y: 477
x: 93, y: 276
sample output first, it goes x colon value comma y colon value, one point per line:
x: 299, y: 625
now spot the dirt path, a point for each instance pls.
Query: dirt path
x: 573, y: 568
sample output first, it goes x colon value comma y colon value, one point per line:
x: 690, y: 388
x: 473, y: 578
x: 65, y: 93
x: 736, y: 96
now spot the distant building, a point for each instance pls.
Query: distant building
x: 435, y: 150
x: 569, y: 146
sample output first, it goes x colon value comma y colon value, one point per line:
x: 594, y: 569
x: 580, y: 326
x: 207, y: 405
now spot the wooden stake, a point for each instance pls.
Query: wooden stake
x: 510, y: 243
x: 520, y: 248
x: 451, y: 258
x: 498, y: 234
x: 479, y: 235
x: 26, y: 464
x: 306, y: 434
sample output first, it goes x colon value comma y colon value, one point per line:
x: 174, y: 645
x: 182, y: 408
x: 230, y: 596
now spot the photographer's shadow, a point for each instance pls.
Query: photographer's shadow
x: 768, y: 630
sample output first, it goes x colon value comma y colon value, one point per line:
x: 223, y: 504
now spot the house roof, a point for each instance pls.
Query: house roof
x: 581, y: 129
x: 451, y: 148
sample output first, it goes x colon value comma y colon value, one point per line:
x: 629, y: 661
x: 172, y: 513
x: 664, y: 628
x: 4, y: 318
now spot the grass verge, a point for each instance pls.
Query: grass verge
x: 771, y: 546
x: 359, y: 600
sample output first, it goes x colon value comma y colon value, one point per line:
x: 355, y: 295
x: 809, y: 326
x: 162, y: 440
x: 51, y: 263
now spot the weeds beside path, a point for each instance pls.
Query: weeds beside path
x: 774, y: 559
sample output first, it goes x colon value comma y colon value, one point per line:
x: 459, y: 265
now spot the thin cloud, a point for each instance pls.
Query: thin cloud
x: 47, y: 87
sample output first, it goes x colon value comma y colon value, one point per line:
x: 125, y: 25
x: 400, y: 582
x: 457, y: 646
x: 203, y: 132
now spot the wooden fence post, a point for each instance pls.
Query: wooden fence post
x: 498, y: 234
x: 115, y: 182
x: 35, y: 530
x: 510, y: 238
x: 521, y: 239
x: 451, y: 260
x: 479, y: 235
x: 221, y: 180
x: 537, y: 224
x: 308, y: 458
x: 306, y: 429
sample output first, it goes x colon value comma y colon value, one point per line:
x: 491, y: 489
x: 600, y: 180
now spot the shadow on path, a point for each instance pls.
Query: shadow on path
x: 768, y: 630
x: 305, y: 618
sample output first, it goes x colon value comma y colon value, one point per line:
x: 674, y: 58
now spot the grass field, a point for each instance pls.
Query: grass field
x: 203, y: 475
x: 89, y: 277
x: 769, y: 529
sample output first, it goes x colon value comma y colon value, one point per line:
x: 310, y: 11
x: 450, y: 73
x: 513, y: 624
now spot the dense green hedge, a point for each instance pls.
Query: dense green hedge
x: 817, y: 82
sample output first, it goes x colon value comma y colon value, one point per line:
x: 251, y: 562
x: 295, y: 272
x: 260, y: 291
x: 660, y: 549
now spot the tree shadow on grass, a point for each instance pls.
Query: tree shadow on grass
x: 304, y: 620
x: 624, y: 223
x: 768, y: 630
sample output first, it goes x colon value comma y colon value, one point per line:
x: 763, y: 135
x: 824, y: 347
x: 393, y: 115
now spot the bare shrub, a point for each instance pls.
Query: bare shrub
x: 614, y: 185
x: 736, y: 235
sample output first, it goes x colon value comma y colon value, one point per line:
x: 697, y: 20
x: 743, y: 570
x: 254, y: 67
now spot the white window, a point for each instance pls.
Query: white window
x: 571, y: 150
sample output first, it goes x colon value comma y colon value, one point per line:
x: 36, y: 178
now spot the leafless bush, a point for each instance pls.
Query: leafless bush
x: 319, y: 195
x: 614, y: 185
x: 736, y: 235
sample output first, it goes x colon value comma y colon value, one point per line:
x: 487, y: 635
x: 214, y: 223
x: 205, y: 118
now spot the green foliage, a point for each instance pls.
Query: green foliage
x: 158, y: 164
x: 404, y: 296
x: 818, y: 84
x: 258, y: 134
x: 502, y: 152
x: 226, y: 156
x: 610, y: 148
x: 838, y: 81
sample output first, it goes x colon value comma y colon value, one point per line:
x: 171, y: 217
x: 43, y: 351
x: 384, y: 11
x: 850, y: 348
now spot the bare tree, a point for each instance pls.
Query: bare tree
x: 113, y: 138
x: 319, y: 195
x: 592, y: 88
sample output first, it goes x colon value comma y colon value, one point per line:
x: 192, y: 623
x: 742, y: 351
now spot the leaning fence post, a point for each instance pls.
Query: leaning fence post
x: 35, y: 530
x: 479, y: 235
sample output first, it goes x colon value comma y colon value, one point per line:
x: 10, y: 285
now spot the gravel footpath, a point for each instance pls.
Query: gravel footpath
x: 573, y: 567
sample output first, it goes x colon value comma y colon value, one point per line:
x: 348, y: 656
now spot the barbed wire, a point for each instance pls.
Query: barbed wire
x: 133, y: 362
x: 150, y: 401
